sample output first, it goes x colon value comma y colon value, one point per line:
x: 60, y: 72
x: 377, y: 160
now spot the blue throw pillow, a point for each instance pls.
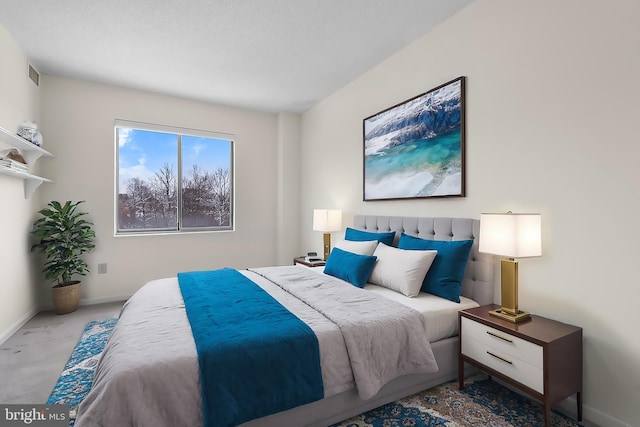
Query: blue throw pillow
x: 353, y: 268
x: 444, y: 278
x: 363, y: 236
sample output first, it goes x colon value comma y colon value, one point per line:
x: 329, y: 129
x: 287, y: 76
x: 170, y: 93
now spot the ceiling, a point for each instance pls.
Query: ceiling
x: 267, y: 55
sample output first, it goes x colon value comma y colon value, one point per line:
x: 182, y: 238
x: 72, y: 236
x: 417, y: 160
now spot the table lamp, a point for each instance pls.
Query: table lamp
x: 511, y: 235
x: 327, y: 221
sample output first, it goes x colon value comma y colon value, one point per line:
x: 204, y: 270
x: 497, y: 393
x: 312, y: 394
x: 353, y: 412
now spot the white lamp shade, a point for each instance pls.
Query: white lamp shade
x: 327, y: 220
x: 511, y: 235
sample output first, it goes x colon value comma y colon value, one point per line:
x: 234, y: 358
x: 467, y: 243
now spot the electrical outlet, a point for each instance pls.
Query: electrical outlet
x: 102, y: 268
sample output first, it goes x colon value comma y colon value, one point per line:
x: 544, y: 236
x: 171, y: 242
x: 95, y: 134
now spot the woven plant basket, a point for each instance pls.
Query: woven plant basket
x: 66, y: 298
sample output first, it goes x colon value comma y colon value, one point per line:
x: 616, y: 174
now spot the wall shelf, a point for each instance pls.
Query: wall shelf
x: 31, y: 154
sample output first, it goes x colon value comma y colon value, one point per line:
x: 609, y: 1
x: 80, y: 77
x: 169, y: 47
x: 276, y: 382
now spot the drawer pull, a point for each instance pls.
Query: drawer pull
x: 501, y: 358
x: 498, y: 336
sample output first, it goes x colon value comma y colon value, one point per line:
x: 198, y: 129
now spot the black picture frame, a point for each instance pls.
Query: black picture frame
x: 416, y: 149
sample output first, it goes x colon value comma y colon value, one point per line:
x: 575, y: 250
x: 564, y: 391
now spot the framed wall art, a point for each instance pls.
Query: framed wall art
x: 416, y: 149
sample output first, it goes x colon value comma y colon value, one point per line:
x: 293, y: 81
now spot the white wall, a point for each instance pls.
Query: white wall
x: 78, y: 127
x: 19, y: 102
x: 552, y: 103
x: 288, y: 196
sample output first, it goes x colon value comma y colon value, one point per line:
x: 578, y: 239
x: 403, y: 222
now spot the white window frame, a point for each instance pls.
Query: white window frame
x: 179, y: 131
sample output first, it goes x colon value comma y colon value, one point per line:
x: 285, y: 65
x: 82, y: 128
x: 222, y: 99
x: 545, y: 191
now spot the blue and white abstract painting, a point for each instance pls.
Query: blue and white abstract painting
x: 416, y: 149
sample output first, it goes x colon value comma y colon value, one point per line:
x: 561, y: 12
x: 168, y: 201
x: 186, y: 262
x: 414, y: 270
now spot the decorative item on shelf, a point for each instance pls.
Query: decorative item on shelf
x: 513, y: 236
x: 29, y: 131
x: 12, y: 164
x: 327, y: 221
x: 12, y: 159
x: 14, y: 156
x: 64, y: 236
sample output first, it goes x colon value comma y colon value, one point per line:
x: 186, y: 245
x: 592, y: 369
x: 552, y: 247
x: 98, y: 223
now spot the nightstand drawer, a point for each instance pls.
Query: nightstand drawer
x: 515, y: 368
x: 503, y: 342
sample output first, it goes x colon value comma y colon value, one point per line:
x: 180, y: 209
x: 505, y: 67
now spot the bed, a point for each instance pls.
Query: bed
x: 148, y: 373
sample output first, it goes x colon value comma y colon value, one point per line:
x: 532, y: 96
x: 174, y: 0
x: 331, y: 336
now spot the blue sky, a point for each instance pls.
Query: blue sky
x: 142, y: 153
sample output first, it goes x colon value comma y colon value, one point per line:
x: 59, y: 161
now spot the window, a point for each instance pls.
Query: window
x: 172, y: 179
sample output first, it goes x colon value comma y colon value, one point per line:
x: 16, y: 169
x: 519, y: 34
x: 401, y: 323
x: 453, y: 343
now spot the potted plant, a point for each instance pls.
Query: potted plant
x: 64, y: 236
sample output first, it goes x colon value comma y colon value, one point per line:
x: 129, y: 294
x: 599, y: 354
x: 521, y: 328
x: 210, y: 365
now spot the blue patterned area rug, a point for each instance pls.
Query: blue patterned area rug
x: 482, y: 402
x: 77, y: 376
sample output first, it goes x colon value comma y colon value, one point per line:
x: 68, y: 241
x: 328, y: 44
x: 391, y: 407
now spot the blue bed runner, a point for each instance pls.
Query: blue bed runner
x: 256, y: 358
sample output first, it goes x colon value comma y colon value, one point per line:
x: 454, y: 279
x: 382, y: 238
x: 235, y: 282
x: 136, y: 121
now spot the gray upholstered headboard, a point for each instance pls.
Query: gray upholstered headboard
x: 478, y: 277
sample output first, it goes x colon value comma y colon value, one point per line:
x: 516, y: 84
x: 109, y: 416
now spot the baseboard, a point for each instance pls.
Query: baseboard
x: 103, y: 300
x: 17, y: 325
x: 91, y: 301
x: 590, y: 415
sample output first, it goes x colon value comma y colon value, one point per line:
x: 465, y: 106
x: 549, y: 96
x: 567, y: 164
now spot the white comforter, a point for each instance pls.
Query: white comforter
x: 148, y: 373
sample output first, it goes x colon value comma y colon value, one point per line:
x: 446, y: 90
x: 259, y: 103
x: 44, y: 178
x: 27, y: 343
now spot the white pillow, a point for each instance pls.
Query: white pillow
x: 360, y: 248
x: 401, y: 270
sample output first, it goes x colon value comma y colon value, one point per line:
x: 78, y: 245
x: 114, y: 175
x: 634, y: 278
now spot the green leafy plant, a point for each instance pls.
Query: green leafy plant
x: 64, y: 236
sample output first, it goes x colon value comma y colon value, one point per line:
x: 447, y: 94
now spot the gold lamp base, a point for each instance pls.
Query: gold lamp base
x: 509, y: 310
x: 513, y: 318
x: 327, y: 245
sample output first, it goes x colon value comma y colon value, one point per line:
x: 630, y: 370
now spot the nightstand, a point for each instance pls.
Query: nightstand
x: 540, y: 357
x: 302, y: 261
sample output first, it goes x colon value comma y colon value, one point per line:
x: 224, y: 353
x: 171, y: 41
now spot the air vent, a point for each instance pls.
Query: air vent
x: 34, y: 76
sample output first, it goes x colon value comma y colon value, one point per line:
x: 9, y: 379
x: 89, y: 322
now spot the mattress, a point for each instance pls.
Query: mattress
x: 440, y: 315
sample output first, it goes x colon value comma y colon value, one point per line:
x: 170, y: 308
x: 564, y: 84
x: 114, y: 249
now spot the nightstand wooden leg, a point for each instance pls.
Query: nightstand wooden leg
x: 579, y: 403
x: 547, y: 413
x: 460, y: 373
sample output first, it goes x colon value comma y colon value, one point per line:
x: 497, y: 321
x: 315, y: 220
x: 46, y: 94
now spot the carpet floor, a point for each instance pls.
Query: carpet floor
x: 482, y: 402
